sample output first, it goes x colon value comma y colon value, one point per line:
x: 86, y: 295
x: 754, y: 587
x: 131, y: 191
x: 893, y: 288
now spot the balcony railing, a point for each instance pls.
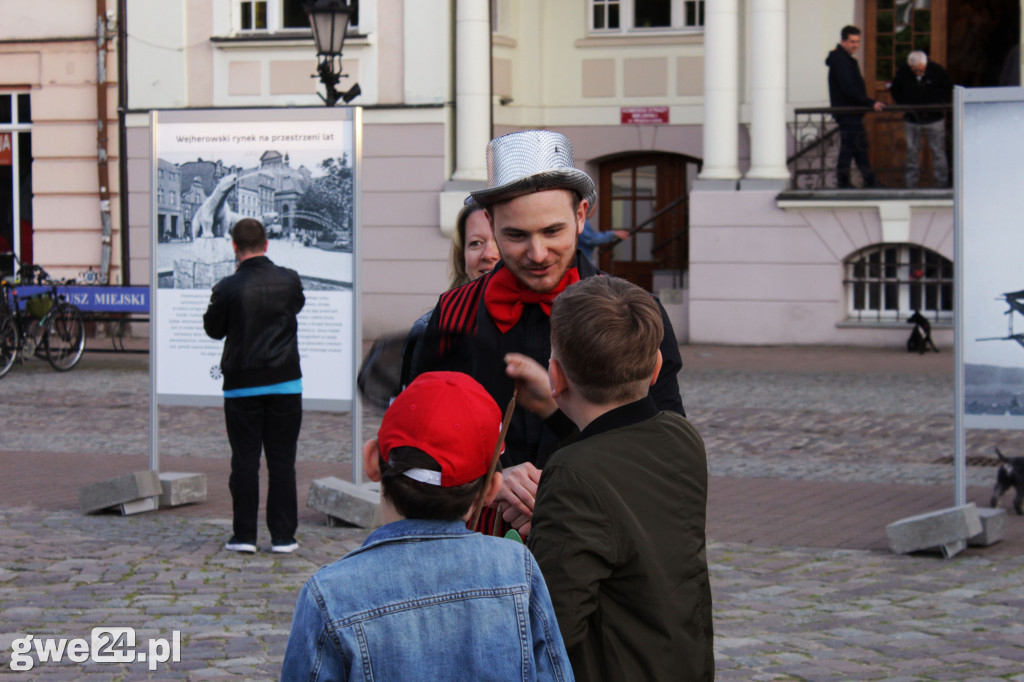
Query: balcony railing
x: 815, y: 136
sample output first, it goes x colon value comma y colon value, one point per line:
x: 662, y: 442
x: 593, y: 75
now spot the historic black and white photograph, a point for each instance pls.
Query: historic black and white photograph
x: 306, y: 206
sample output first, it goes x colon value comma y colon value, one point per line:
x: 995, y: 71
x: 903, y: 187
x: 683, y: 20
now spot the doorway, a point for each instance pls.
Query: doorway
x: 634, y: 189
x: 15, y: 180
x: 971, y: 39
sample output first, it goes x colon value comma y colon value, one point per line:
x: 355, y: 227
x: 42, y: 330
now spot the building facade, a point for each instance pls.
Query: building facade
x: 686, y: 113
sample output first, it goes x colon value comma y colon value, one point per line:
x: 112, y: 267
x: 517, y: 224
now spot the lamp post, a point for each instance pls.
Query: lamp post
x: 329, y: 21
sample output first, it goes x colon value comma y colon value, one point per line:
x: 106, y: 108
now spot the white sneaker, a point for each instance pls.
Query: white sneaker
x: 286, y: 548
x: 234, y: 545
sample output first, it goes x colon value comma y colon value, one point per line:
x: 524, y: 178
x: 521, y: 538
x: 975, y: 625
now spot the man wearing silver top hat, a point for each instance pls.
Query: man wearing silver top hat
x: 537, y: 202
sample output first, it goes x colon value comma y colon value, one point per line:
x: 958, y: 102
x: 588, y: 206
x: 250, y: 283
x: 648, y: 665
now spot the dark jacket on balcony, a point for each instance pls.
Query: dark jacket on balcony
x: 933, y: 87
x: 845, y: 84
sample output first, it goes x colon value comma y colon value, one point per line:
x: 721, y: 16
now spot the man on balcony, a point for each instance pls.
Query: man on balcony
x: 846, y: 89
x: 920, y: 81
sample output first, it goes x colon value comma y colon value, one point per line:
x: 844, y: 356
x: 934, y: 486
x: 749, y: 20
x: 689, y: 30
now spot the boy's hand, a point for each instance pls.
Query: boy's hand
x: 533, y: 387
x: 517, y: 495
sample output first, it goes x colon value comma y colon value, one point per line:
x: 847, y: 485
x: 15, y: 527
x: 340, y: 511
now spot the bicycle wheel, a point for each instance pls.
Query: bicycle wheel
x: 8, y: 342
x: 64, y: 337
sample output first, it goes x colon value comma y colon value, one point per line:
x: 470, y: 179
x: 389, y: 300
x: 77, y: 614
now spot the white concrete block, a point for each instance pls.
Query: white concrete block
x: 181, y: 488
x: 117, y: 491
x: 358, y: 505
x: 138, y: 506
x: 941, y: 529
x: 993, y: 527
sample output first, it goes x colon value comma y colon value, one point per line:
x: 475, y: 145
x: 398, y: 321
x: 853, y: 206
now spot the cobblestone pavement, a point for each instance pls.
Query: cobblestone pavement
x: 780, y: 613
x: 826, y: 424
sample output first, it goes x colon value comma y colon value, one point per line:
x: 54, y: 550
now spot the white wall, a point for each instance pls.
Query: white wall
x: 156, y: 54
x: 428, y: 65
x: 814, y: 28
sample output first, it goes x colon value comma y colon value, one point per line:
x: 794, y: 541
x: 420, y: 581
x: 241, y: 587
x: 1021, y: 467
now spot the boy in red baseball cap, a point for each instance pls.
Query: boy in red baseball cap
x: 425, y: 598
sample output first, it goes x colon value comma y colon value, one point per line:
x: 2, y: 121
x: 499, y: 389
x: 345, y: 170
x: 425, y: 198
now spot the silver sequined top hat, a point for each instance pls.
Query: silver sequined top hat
x: 532, y: 161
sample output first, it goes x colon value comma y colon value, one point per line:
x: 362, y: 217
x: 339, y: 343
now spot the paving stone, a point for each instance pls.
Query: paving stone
x: 781, y: 612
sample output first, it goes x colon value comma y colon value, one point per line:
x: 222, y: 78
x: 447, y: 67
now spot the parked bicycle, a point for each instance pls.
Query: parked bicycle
x: 43, y: 325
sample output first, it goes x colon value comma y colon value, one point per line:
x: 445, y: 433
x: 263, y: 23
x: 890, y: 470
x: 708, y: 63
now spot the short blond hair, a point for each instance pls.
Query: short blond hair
x: 605, y: 333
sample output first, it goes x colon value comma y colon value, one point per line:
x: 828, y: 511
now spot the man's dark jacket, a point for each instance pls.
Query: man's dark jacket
x: 255, y: 309
x: 462, y: 337
x: 934, y: 87
x: 845, y: 84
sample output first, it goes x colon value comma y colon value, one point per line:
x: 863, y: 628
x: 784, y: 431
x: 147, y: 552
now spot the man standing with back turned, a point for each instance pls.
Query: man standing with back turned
x: 255, y: 311
x: 846, y: 89
x: 537, y: 202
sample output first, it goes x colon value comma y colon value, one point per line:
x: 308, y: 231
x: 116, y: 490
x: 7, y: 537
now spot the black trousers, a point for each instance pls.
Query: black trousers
x: 267, y: 423
x: 853, y: 146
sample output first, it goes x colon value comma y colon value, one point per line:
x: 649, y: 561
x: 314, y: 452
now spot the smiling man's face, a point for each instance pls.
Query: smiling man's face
x: 536, y: 235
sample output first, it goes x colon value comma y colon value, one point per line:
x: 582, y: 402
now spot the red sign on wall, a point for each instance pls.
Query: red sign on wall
x: 5, y: 149
x: 640, y: 115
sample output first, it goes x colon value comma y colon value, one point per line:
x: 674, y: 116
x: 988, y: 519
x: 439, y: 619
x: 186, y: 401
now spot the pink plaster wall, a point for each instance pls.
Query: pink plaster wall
x: 763, y: 275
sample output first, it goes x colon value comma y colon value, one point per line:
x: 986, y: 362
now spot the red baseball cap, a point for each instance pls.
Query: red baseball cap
x: 449, y: 416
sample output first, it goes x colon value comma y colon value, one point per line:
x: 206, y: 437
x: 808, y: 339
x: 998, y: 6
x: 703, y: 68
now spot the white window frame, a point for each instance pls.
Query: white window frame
x: 626, y: 16
x: 275, y: 17
x: 253, y: 4
x: 882, y: 291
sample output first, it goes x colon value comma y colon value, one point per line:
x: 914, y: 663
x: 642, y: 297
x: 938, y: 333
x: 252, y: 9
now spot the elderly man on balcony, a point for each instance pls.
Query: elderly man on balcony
x: 920, y: 81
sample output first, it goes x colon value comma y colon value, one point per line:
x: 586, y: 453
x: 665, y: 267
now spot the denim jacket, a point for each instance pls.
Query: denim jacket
x: 427, y: 600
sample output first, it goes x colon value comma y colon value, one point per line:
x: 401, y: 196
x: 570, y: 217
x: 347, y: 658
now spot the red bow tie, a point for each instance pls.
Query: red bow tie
x: 505, y: 297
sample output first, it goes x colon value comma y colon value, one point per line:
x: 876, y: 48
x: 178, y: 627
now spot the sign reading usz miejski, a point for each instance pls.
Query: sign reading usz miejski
x: 98, y: 299
x: 294, y: 170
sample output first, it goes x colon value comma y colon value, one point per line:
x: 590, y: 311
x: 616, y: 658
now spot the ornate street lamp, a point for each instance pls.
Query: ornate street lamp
x: 329, y: 20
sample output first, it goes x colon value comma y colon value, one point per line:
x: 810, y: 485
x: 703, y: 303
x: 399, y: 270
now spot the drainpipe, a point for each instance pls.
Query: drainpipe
x: 122, y: 137
x: 101, y: 137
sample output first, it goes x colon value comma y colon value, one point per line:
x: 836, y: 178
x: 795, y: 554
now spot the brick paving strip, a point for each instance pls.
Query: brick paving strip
x: 812, y: 452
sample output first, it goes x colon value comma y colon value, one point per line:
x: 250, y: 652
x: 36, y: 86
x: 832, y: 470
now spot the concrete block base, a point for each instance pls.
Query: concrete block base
x: 357, y: 505
x: 946, y: 530
x: 993, y: 527
x: 138, y: 506
x: 117, y: 491
x: 180, y: 488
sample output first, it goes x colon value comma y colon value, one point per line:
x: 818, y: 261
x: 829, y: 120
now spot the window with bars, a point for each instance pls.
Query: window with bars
x: 891, y: 281
x: 621, y: 16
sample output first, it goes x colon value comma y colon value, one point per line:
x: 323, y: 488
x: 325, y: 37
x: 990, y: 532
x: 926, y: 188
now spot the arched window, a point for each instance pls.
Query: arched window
x: 891, y: 281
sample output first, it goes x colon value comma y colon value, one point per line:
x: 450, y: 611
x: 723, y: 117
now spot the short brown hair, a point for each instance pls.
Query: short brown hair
x: 849, y: 31
x: 248, y: 234
x: 605, y: 333
x: 415, y: 500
